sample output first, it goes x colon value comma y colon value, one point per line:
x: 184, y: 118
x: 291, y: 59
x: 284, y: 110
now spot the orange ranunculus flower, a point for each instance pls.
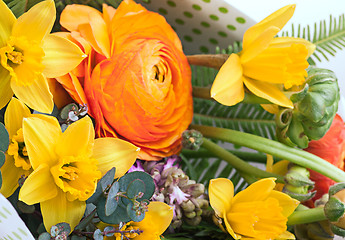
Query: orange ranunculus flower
x: 331, y: 147
x: 136, y: 79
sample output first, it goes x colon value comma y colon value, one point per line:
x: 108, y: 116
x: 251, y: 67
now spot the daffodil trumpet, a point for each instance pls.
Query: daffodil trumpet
x: 29, y: 54
x: 274, y: 148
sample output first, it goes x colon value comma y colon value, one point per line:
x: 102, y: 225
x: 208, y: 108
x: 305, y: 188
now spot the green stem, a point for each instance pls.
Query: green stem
x: 274, y: 148
x: 307, y: 216
x: 236, y: 162
x: 204, y: 93
x: 246, y: 156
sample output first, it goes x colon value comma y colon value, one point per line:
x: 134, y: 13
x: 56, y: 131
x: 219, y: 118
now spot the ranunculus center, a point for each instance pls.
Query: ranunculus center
x: 22, y: 56
x: 159, y: 72
x: 77, y: 176
x: 17, y: 149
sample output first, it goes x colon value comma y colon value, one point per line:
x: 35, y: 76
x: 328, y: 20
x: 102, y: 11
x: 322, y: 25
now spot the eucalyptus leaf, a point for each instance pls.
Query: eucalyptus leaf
x: 2, y: 158
x: 135, y: 187
x: 125, y: 180
x: 97, y: 235
x: 44, y: 236
x: 108, y: 229
x: 111, y: 202
x: 132, y: 213
x: 4, y: 138
x: 86, y: 221
x: 107, y: 179
x: 120, y: 215
x: 65, y: 110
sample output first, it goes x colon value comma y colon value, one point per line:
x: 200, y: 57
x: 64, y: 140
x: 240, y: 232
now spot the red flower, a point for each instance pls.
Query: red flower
x: 331, y: 148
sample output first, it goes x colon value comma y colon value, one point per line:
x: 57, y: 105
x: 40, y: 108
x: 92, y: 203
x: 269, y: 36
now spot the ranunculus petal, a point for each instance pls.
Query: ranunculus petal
x: 37, y: 22
x: 259, y: 45
x: 227, y: 87
x: 74, y: 15
x: 59, y: 209
x: 100, y: 31
x: 268, y: 91
x: 15, y: 112
x: 36, y: 95
x: 257, y: 191
x: 10, y: 176
x: 77, y: 139
x: 221, y: 191
x: 277, y: 19
x: 39, y: 186
x: 41, y: 133
x: 5, y: 87
x: 7, y: 20
x: 288, y: 41
x: 61, y: 56
x: 114, y: 152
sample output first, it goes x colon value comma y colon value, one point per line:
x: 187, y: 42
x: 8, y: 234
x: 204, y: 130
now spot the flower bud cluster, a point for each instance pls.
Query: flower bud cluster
x: 175, y: 188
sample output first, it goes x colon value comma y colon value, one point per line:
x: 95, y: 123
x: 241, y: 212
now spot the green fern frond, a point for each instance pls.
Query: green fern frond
x: 328, y: 39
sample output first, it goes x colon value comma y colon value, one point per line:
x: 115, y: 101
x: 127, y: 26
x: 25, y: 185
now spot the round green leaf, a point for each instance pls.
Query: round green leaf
x: 108, y: 229
x: 64, y: 112
x: 132, y: 213
x: 120, y: 215
x: 2, y: 158
x: 97, y: 235
x: 125, y: 180
x: 111, y: 202
x: 44, y: 236
x: 135, y: 187
x: 4, y: 138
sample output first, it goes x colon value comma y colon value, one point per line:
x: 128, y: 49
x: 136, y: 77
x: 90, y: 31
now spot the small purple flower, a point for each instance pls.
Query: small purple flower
x: 137, y: 166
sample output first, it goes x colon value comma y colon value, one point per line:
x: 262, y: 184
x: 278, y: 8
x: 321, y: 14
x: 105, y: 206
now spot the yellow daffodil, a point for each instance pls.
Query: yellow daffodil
x: 265, y: 64
x: 157, y: 220
x: 17, y: 162
x: 258, y: 212
x: 66, y: 166
x: 29, y: 54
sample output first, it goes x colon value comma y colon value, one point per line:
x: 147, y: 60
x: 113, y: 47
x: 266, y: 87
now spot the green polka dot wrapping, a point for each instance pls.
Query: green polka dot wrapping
x: 202, y: 24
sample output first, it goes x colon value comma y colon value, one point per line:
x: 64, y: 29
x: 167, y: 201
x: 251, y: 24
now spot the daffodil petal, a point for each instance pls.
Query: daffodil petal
x: 257, y: 191
x: 10, y: 176
x: 59, y: 209
x: 37, y: 22
x: 74, y: 15
x: 40, y: 135
x: 77, y: 140
x: 287, y: 203
x: 39, y: 186
x: 288, y: 41
x: 7, y: 20
x: 158, y: 216
x: 61, y: 56
x: 229, y: 228
x: 36, y: 95
x: 259, y: 45
x: 277, y: 19
x: 271, y: 108
x: 114, y: 152
x: 5, y: 87
x: 221, y: 191
x: 286, y: 235
x: 268, y: 91
x: 15, y: 112
x: 227, y: 87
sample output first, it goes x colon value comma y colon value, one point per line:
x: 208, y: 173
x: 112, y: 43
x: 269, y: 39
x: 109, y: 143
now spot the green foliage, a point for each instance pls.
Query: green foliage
x: 328, y: 39
x: 18, y: 7
x: 124, y: 199
x: 4, y: 142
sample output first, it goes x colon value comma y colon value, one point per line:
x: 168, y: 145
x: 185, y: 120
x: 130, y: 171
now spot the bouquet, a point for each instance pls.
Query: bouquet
x: 110, y: 131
